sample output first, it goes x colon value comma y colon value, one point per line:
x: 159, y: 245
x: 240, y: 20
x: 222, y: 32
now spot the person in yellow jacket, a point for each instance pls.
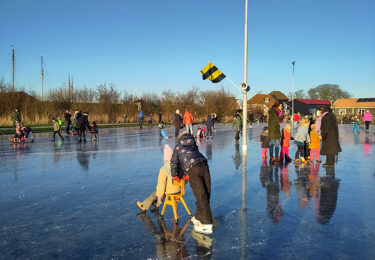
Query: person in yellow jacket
x: 314, y: 144
x: 164, y: 186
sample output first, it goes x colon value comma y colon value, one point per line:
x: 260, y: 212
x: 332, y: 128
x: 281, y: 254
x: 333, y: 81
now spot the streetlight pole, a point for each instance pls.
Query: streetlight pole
x: 293, y: 63
x: 244, y: 88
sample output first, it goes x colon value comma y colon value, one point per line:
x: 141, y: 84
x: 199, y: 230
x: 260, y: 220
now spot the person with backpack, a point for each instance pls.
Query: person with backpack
x: 56, y: 130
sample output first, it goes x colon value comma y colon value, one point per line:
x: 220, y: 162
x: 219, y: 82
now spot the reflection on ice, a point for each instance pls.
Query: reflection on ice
x: 68, y: 200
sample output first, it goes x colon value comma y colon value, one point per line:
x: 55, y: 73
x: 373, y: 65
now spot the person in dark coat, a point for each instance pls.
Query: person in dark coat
x: 68, y: 121
x: 275, y: 117
x: 330, y: 136
x: 16, y: 117
x: 186, y: 159
x: 177, y: 120
x: 82, y: 124
x: 209, y: 126
x: 160, y: 117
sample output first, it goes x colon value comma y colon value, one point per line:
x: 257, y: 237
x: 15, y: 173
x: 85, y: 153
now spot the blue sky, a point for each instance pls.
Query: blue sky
x: 148, y: 45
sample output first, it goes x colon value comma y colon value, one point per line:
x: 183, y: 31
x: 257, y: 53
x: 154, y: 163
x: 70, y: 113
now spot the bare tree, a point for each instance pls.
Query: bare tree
x: 330, y: 92
x: 298, y: 94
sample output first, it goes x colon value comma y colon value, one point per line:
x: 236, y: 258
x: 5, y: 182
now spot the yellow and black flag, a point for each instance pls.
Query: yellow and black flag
x: 212, y: 73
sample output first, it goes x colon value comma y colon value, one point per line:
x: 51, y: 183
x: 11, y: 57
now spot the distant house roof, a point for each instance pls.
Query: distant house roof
x: 259, y: 99
x: 278, y: 95
x: 354, y: 102
x: 314, y: 101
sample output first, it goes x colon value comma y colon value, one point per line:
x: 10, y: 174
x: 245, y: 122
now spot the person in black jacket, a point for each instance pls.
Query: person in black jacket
x: 82, y: 124
x: 177, y: 120
x: 186, y: 159
x: 330, y: 136
x: 68, y: 121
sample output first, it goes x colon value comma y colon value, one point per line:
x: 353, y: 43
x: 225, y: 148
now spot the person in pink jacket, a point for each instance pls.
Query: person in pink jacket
x: 188, y: 121
x: 367, y: 118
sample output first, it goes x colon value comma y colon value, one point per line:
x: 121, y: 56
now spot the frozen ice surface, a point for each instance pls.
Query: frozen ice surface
x: 77, y: 201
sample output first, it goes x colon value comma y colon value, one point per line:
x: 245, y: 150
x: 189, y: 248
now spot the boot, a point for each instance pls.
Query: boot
x: 287, y: 159
x: 277, y: 160
x: 271, y: 160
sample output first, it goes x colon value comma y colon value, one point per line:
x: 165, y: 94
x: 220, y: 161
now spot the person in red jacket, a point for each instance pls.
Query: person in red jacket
x: 188, y: 121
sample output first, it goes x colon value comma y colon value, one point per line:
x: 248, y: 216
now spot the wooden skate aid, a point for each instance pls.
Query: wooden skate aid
x: 172, y: 199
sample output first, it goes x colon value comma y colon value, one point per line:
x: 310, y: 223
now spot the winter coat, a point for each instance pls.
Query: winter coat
x: 165, y: 185
x: 67, y: 117
x: 265, y: 143
x: 56, y: 126
x: 367, y: 117
x: 302, y: 134
x: 188, y: 118
x: 209, y: 122
x: 315, y: 139
x: 177, y: 121
x: 285, y: 138
x: 274, y: 123
x: 16, y: 116
x: 330, y: 135
x: 83, y: 123
x: 237, y: 125
x: 185, y: 155
x: 141, y: 115
x: 94, y: 128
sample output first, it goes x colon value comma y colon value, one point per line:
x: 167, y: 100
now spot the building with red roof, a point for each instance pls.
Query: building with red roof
x: 307, y: 106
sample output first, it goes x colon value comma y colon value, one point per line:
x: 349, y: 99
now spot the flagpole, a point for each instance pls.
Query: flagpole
x: 244, y: 89
x: 293, y: 63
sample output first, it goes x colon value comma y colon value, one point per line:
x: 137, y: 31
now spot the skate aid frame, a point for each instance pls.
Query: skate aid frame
x: 172, y: 199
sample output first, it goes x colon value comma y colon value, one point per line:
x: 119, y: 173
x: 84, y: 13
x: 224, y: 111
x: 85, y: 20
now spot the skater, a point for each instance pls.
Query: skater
x: 330, y: 136
x: 237, y: 126
x: 356, y: 127
x: 82, y: 124
x: 187, y: 157
x: 200, y: 133
x: 162, y: 131
x: 149, y: 121
x: 275, y: 117
x: 16, y: 117
x: 125, y: 117
x: 188, y: 121
x: 367, y: 118
x: 94, y: 130
x: 164, y: 186
x: 177, y: 120
x: 140, y: 119
x: 160, y: 117
x: 315, y: 144
x: 264, y: 142
x: 68, y: 121
x: 301, y: 136
x: 77, y: 115
x: 285, y: 138
x: 27, y: 133
x: 209, y: 126
x: 56, y: 130
x: 251, y: 119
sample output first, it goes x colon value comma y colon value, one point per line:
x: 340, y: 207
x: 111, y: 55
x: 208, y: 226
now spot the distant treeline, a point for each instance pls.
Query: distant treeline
x: 108, y: 105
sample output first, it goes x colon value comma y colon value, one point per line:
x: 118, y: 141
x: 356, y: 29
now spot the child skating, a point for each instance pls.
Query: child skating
x: 186, y: 157
x: 285, y: 138
x: 314, y: 144
x: 301, y: 136
x: 56, y: 130
x: 264, y: 142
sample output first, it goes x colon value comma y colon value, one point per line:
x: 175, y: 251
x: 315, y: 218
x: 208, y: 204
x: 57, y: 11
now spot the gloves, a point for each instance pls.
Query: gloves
x: 176, y: 178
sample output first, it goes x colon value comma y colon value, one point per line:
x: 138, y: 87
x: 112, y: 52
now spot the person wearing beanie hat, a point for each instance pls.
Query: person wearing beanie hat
x: 164, y: 186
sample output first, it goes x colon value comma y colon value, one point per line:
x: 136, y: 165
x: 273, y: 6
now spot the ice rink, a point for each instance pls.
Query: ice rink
x: 78, y: 200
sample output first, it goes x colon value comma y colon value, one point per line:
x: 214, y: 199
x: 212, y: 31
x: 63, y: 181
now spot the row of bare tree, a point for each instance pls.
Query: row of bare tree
x: 108, y: 105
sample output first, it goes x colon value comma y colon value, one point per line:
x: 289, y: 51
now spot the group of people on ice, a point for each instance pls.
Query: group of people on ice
x: 308, y: 137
